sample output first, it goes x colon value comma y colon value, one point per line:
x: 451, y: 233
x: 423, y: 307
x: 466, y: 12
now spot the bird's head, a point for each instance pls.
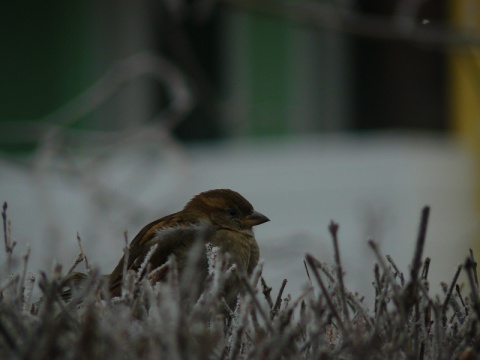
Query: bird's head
x: 226, y: 209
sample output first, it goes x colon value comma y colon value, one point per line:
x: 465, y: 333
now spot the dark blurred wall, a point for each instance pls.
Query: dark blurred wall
x: 399, y: 84
x: 190, y: 39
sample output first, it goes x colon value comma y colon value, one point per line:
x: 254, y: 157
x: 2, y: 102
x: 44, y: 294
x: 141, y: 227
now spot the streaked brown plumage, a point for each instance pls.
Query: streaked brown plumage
x: 220, y: 217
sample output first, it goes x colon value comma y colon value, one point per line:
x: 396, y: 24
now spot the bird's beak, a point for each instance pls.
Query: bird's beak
x: 255, y: 218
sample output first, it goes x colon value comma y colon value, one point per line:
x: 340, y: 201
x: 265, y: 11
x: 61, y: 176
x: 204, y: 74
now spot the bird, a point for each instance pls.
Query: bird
x: 221, y: 217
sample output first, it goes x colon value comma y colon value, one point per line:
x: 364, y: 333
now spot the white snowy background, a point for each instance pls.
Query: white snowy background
x: 374, y: 186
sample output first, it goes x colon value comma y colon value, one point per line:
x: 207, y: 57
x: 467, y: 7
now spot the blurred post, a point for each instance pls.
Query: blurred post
x: 269, y: 71
x: 465, y: 81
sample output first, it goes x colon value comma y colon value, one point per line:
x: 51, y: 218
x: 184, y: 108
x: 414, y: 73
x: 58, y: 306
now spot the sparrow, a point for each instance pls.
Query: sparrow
x: 222, y: 218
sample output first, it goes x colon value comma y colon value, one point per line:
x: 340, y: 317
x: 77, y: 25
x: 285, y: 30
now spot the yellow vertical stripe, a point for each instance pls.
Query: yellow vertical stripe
x: 465, y: 82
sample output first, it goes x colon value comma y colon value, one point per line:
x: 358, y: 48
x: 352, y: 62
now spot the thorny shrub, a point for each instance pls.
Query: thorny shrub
x: 175, y: 321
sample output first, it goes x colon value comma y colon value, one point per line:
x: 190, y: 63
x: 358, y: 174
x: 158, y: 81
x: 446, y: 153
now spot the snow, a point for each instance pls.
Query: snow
x: 374, y: 186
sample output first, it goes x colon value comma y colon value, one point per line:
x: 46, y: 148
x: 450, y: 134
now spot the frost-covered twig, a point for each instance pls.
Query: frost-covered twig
x: 143, y: 266
x: 82, y: 253
x: 7, y: 236
x: 275, y: 308
x: 333, y: 228
x: 449, y: 294
x: 312, y: 262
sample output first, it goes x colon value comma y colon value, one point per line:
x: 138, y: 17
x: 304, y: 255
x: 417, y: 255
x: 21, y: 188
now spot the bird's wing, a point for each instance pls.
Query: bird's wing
x: 171, y: 235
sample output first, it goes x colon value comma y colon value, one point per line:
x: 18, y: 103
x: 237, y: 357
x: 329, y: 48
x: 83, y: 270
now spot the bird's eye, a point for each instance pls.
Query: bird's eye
x: 232, y: 212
